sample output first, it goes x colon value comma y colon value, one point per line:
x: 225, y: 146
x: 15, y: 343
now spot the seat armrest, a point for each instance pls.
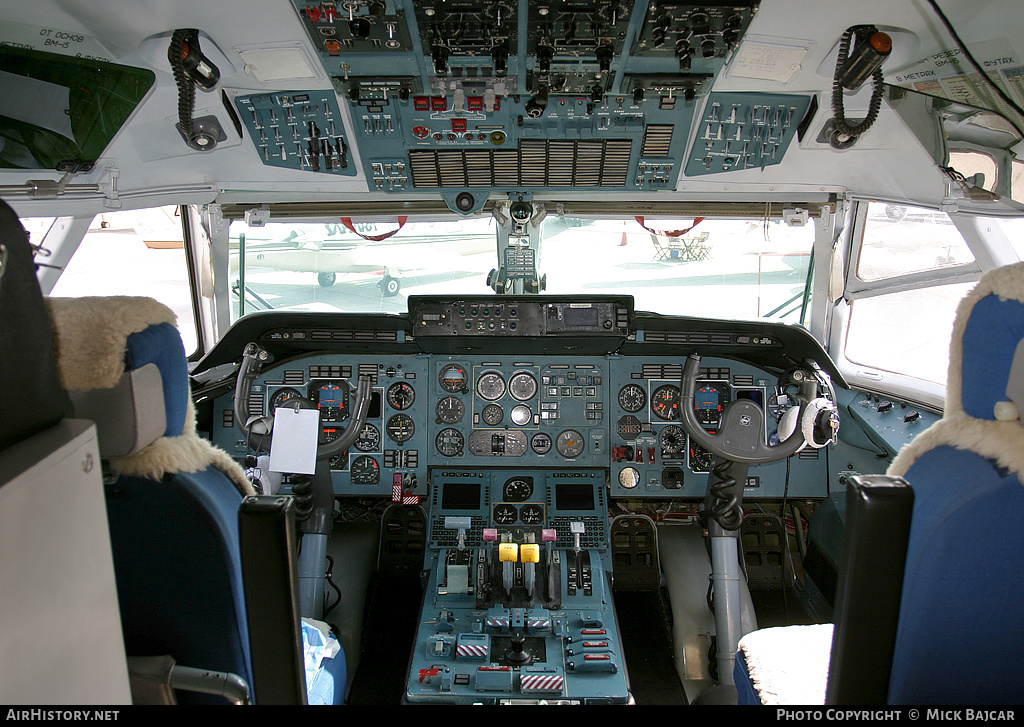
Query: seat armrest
x: 868, y: 595
x: 267, y: 535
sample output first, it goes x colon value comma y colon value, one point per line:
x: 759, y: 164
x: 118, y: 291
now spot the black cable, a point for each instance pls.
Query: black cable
x: 330, y: 582
x: 852, y: 131
x: 186, y: 87
x: 977, y: 66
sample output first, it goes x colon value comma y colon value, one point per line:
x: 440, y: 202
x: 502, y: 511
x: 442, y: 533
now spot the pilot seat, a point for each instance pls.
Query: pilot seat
x: 173, y: 503
x: 954, y: 634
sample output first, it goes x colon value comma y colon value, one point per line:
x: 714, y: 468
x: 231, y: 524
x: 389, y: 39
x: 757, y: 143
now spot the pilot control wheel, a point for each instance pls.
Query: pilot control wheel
x: 390, y: 286
x: 326, y: 280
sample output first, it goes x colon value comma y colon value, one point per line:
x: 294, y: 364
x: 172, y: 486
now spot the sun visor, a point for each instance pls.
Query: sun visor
x: 60, y: 112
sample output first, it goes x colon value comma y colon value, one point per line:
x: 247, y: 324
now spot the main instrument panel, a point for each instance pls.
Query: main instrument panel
x: 460, y: 396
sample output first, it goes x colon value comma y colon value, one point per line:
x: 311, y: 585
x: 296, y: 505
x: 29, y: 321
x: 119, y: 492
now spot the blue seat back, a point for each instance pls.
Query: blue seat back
x: 176, y: 557
x: 960, y: 637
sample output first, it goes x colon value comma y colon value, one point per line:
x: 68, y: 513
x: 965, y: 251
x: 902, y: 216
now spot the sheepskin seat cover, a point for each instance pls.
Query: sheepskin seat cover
x: 92, y: 344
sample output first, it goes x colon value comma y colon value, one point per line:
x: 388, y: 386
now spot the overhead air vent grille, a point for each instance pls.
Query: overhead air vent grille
x: 536, y: 163
x: 724, y: 339
x: 345, y: 335
x: 657, y: 140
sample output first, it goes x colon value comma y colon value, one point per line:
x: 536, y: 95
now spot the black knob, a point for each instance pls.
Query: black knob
x: 359, y: 27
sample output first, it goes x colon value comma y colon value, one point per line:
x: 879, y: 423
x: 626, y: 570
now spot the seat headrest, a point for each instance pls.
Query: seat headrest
x: 123, y: 362
x: 985, y: 384
x: 986, y: 361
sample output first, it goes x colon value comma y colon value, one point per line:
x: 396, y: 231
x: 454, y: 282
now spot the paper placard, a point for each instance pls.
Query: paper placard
x: 293, y: 445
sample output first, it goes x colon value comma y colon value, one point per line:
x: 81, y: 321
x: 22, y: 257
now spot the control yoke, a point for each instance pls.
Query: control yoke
x: 257, y: 429
x: 740, y: 437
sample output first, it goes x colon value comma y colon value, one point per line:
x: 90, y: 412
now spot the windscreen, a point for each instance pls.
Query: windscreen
x: 738, y: 269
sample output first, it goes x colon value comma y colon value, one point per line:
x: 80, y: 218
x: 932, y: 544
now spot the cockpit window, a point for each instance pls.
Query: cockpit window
x: 136, y: 253
x: 900, y: 240
x: 735, y: 269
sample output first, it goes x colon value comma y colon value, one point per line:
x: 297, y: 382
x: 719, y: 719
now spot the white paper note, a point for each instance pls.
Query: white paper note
x: 293, y: 446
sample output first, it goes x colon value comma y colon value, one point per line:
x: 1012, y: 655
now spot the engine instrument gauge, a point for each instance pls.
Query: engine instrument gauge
x: 505, y: 514
x: 517, y: 489
x: 364, y: 471
x: 453, y: 378
x: 672, y: 441
x: 400, y: 395
x: 449, y: 442
x: 449, y: 410
x: 532, y: 514
x: 492, y: 415
x: 629, y: 477
x: 490, y: 386
x: 400, y: 428
x: 522, y: 386
x: 569, y: 444
x: 632, y: 398
x: 665, y: 402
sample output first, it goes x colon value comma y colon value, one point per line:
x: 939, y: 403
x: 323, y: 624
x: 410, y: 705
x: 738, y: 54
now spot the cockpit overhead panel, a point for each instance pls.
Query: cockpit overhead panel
x: 514, y: 95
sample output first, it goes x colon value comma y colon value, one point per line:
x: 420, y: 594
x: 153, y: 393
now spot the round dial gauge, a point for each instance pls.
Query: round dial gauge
x: 400, y: 395
x: 700, y: 459
x: 569, y: 444
x: 541, y: 443
x: 665, y: 402
x: 672, y: 440
x: 632, y: 397
x: 449, y: 442
x: 522, y: 386
x: 283, y: 396
x: 400, y: 428
x: 517, y: 489
x: 629, y: 477
x: 449, y: 410
x: 365, y: 471
x: 505, y: 514
x: 369, y: 439
x: 492, y: 415
x: 490, y: 386
x: 531, y: 514
x: 453, y: 378
x: 338, y: 461
x: 521, y: 415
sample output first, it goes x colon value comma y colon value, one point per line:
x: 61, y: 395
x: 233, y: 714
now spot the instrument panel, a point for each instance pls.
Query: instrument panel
x: 520, y: 414
x: 462, y: 96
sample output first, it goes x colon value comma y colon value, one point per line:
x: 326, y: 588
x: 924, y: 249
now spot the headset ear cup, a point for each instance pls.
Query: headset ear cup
x: 788, y: 423
x: 820, y: 423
